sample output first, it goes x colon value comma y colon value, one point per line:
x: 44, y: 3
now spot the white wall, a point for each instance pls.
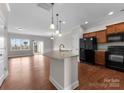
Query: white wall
x: 48, y: 44
x: 70, y: 40
x: 3, y: 34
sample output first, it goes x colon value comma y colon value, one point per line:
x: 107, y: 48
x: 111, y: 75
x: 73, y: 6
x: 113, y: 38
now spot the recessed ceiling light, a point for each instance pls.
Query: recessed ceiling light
x: 111, y: 13
x: 86, y: 22
x: 19, y: 28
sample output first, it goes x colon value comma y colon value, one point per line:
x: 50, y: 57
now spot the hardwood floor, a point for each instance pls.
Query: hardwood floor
x: 98, y: 77
x: 28, y: 73
x: 32, y: 73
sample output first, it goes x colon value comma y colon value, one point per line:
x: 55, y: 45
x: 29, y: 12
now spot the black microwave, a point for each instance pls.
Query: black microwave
x: 115, y: 37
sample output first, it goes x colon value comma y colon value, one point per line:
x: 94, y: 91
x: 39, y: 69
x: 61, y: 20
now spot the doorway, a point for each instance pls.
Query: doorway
x: 38, y: 47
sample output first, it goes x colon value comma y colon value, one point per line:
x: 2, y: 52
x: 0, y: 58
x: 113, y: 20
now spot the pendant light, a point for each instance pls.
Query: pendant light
x: 52, y: 36
x: 57, y: 26
x: 60, y: 32
x: 52, y: 26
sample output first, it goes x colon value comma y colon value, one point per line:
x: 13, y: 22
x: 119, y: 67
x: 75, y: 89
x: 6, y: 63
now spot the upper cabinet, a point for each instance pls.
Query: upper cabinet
x: 116, y: 28
x: 101, y: 36
x: 111, y: 29
x: 92, y: 34
x: 119, y: 27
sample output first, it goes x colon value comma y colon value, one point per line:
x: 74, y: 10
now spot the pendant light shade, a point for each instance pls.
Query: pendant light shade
x: 52, y: 37
x: 57, y: 31
x: 60, y: 34
x: 52, y: 26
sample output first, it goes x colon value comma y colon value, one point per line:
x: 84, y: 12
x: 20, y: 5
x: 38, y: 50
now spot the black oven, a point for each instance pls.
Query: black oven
x: 115, y: 57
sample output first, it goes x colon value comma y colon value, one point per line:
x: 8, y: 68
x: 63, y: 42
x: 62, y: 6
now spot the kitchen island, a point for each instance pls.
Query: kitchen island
x: 63, y: 69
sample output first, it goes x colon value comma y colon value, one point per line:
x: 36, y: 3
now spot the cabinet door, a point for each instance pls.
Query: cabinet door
x: 85, y: 35
x: 100, y: 57
x: 111, y: 29
x: 92, y: 34
x: 119, y: 27
x: 101, y: 36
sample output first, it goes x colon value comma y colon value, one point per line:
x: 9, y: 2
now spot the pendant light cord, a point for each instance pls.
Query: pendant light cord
x: 60, y: 26
x: 52, y: 12
x: 57, y: 15
x: 52, y: 19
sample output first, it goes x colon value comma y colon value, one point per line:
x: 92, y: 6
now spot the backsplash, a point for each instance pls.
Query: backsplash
x: 105, y: 46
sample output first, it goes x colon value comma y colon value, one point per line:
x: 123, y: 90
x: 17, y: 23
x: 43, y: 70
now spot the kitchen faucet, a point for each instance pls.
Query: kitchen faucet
x: 60, y: 46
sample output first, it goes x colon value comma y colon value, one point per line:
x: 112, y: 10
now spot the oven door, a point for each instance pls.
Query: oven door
x: 116, y: 58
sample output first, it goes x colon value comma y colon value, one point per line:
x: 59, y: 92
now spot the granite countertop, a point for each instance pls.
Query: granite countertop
x: 60, y: 54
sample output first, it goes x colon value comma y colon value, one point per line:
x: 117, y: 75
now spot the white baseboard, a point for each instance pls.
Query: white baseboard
x: 55, y: 83
x: 6, y: 74
x: 59, y: 87
x: 1, y: 79
x: 24, y: 55
x: 72, y: 86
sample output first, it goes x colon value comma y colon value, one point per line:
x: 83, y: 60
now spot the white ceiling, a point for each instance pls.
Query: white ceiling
x: 35, y: 20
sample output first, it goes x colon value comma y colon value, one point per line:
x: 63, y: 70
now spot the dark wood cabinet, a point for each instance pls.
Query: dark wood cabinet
x: 85, y: 35
x: 92, y: 34
x: 101, y: 36
x: 119, y: 27
x: 111, y: 29
x: 100, y: 57
x: 116, y: 28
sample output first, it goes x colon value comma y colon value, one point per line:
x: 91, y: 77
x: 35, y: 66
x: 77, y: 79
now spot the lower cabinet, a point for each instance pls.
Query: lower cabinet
x: 100, y: 57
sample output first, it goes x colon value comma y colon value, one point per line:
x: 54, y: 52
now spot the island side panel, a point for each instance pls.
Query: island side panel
x: 57, y: 73
x: 71, y: 73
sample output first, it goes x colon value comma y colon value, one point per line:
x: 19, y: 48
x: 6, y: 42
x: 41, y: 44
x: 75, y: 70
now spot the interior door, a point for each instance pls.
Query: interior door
x: 40, y: 47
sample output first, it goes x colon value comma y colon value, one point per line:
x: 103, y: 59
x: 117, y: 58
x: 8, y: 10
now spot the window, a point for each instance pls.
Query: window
x: 20, y: 44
